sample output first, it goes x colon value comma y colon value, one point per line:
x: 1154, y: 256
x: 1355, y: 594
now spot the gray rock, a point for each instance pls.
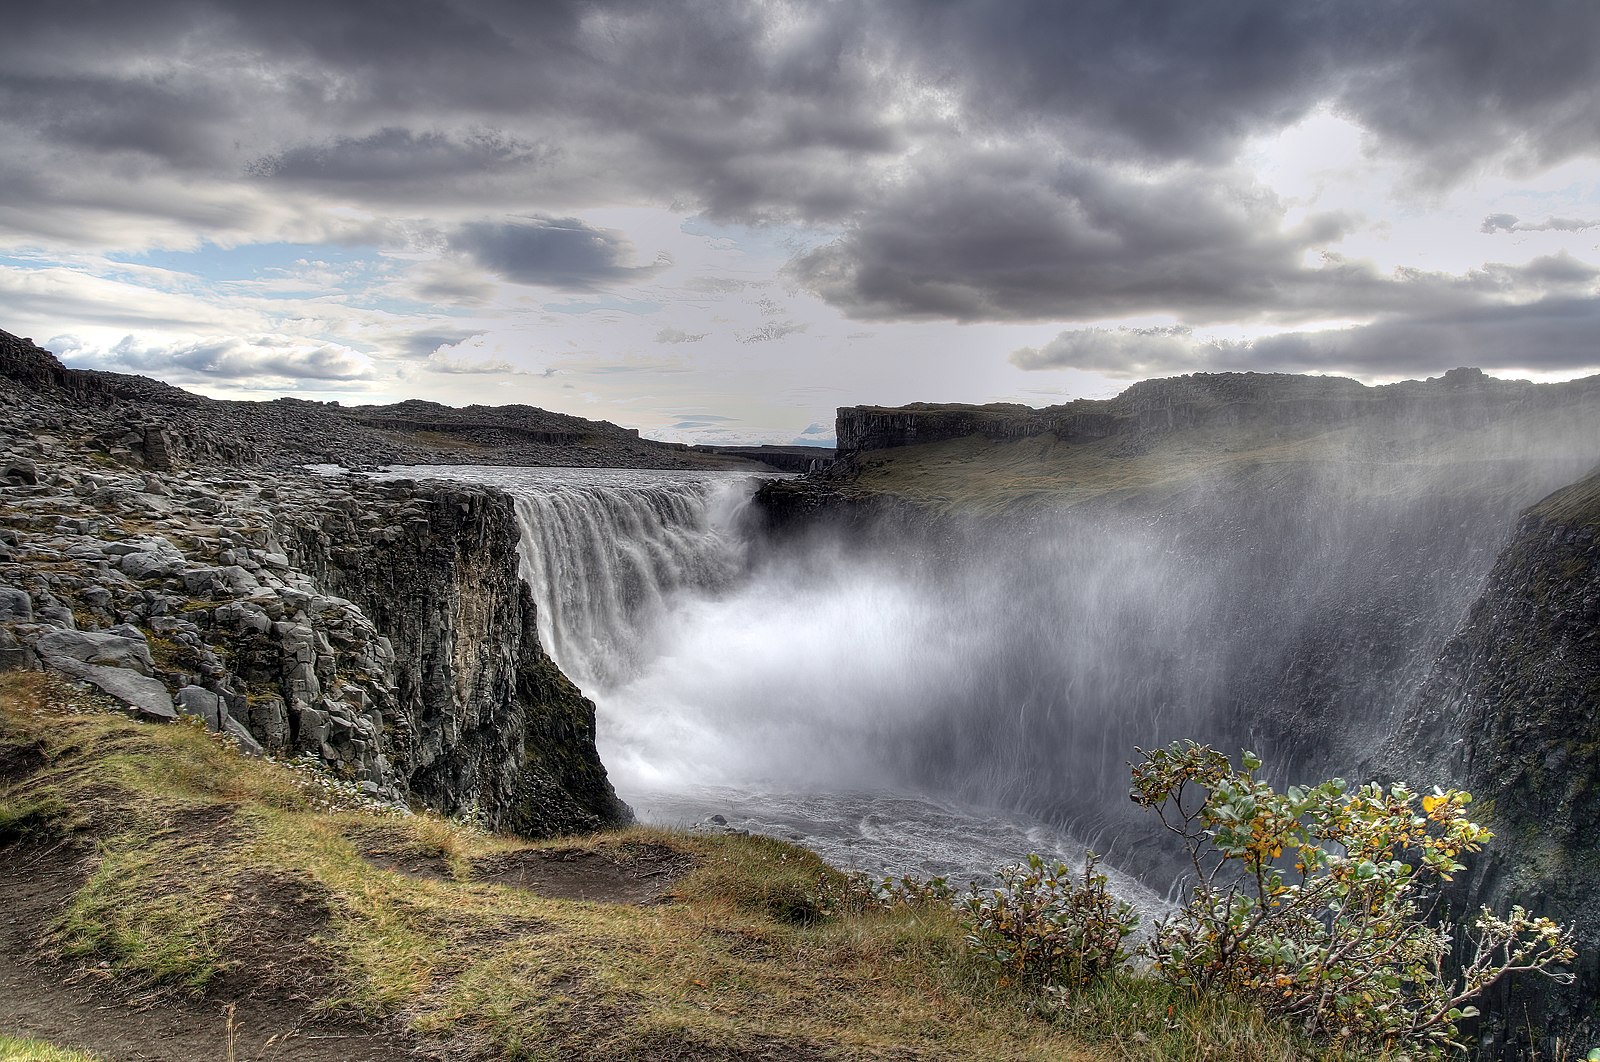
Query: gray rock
x: 193, y: 700
x: 19, y: 470
x: 230, y: 578
x: 157, y: 562
x: 57, y: 616
x: 143, y: 694
x: 15, y: 605
x: 240, y: 733
x: 100, y: 648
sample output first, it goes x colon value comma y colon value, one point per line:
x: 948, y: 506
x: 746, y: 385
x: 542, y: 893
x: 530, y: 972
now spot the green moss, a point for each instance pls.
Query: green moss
x: 27, y: 1049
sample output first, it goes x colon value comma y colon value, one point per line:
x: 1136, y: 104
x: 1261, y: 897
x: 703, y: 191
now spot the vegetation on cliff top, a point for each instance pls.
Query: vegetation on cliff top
x: 1380, y: 455
x: 188, y: 872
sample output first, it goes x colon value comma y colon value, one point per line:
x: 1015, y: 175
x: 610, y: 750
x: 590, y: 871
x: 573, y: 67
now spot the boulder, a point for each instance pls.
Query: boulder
x: 201, y: 703
x: 98, y: 648
x: 240, y: 733
x: 19, y: 471
x: 143, y: 694
x: 15, y: 605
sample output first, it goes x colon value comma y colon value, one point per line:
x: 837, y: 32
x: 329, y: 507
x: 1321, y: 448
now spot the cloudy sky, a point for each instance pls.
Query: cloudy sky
x: 717, y: 221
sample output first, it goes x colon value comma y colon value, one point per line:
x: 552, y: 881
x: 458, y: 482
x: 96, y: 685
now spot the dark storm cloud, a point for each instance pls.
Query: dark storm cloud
x: 1451, y: 83
x: 1548, y: 335
x: 554, y: 252
x: 1015, y: 236
x: 980, y: 161
x: 751, y: 108
x: 400, y: 155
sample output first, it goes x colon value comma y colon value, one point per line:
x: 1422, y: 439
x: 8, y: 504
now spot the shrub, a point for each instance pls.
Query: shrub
x: 1045, y: 926
x: 1310, y: 901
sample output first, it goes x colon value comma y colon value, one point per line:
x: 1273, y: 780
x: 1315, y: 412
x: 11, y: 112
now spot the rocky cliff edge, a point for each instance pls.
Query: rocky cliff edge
x: 378, y: 630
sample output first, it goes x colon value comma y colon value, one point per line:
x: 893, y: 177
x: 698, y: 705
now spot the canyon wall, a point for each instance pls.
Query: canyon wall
x: 382, y: 631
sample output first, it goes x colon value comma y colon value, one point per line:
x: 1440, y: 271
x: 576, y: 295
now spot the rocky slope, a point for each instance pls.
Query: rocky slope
x: 381, y: 630
x: 158, y: 424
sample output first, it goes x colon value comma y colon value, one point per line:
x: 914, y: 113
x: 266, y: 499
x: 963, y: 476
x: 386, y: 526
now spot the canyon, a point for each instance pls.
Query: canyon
x: 988, y: 605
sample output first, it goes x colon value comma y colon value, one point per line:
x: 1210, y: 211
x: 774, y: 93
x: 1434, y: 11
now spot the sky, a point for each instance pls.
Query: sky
x: 717, y: 221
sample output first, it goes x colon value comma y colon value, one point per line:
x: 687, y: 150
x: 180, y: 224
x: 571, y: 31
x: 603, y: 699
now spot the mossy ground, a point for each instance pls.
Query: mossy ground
x: 211, y: 871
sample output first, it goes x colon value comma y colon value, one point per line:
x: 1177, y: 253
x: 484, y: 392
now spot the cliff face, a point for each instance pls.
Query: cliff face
x: 1202, y: 401
x: 381, y: 630
x: 1509, y: 713
x: 495, y: 726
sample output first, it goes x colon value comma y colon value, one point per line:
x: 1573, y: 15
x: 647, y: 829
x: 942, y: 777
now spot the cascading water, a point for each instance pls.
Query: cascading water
x: 608, y: 561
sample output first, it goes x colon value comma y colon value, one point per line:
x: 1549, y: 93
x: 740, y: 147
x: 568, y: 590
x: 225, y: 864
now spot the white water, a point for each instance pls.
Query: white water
x: 776, y: 696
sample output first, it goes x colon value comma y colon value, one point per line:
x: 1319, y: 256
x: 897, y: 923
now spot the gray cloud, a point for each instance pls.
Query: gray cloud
x: 1025, y: 161
x: 396, y: 154
x: 1027, y: 236
x: 426, y: 344
x: 554, y: 252
x: 1512, y: 223
x: 1551, y: 335
x: 229, y: 358
x: 767, y: 110
x: 678, y: 335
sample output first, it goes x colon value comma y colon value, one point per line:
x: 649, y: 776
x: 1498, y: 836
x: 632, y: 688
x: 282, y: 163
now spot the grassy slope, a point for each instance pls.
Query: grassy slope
x: 743, y: 960
x: 975, y: 474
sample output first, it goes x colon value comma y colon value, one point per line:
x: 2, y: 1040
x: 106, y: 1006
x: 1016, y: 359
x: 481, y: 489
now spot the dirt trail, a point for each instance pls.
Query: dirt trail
x: 81, y: 1007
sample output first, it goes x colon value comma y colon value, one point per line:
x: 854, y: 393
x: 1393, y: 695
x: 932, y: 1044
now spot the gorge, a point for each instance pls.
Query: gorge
x: 976, y: 613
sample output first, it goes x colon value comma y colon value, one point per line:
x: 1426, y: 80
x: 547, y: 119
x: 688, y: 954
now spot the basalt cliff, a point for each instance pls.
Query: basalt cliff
x: 157, y: 547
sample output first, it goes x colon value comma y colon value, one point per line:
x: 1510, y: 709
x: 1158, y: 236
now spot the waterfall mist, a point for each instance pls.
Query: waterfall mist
x: 1010, y: 662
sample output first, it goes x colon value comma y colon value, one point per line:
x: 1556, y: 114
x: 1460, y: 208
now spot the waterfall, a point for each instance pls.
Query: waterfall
x: 606, y: 561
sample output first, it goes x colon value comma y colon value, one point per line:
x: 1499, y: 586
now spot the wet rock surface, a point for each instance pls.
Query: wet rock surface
x: 380, y: 630
x: 1509, y: 714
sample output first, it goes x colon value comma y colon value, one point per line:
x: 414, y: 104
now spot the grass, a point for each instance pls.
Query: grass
x: 751, y: 954
x: 23, y: 1049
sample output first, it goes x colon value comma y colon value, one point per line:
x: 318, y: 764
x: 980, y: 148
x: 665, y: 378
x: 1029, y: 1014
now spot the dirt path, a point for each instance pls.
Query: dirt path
x: 81, y: 1007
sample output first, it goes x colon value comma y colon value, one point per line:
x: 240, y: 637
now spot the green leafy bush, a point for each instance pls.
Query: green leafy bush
x: 1043, y: 925
x: 1311, y: 901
